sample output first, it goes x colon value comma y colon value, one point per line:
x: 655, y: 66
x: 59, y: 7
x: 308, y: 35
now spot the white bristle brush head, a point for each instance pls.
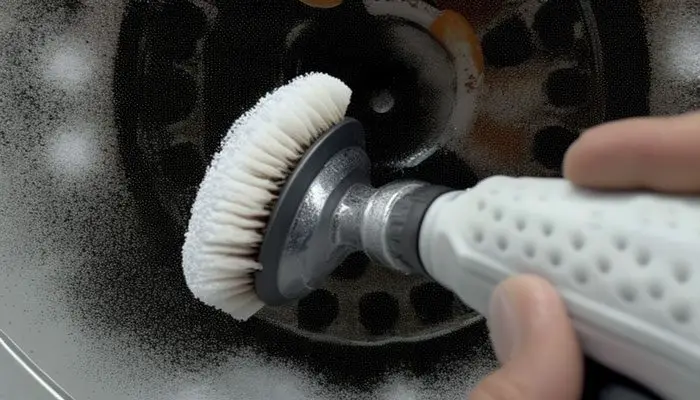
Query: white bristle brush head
x: 236, y: 196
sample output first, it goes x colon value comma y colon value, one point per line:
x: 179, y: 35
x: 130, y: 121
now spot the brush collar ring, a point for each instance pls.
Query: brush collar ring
x: 297, y: 252
x: 405, y: 223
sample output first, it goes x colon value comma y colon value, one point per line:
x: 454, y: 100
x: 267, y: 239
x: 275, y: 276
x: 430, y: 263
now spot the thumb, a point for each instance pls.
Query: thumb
x: 536, y: 343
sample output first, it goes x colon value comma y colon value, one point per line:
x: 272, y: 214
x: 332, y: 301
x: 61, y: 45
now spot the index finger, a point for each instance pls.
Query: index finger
x: 661, y: 153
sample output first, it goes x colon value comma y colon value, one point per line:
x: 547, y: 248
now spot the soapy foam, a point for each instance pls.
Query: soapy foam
x: 68, y: 67
x: 75, y: 150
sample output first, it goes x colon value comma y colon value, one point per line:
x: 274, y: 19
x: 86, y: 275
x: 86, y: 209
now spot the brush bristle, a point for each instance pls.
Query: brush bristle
x: 240, y: 187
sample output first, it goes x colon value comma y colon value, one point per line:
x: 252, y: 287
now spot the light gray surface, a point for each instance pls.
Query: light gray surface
x: 20, y: 378
x: 674, y: 37
x: 64, y: 206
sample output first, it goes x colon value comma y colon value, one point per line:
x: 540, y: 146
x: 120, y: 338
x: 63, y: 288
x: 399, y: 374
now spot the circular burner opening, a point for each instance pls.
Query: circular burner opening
x: 432, y: 302
x: 317, y: 310
x: 509, y: 44
x: 550, y: 146
x: 379, y: 312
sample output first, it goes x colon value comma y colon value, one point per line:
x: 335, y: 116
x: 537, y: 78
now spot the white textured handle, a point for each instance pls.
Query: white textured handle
x: 626, y: 265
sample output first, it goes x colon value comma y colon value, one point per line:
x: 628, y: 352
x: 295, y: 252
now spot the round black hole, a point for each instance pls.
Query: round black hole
x: 509, y: 44
x: 567, y: 87
x: 183, y: 164
x: 317, y: 311
x: 554, y: 24
x: 550, y: 145
x: 432, y: 302
x: 379, y: 312
x: 171, y: 95
x: 175, y: 28
x: 352, y: 267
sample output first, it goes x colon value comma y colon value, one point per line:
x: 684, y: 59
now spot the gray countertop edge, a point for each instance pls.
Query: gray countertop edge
x: 21, y: 378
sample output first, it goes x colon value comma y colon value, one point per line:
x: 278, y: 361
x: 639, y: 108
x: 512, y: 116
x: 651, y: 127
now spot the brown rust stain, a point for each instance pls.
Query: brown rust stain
x: 501, y: 143
x: 452, y: 26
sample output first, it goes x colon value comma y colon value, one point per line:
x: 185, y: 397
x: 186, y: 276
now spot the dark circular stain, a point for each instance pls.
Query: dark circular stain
x: 379, y: 312
x: 509, y: 44
x: 554, y: 24
x: 183, y: 164
x: 432, y: 302
x: 550, y: 145
x: 171, y: 94
x: 317, y: 310
x: 352, y: 267
x: 174, y: 29
x: 568, y: 87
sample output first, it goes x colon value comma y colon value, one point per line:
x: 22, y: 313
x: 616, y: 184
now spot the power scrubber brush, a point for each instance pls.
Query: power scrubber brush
x: 238, y: 193
x: 288, y: 197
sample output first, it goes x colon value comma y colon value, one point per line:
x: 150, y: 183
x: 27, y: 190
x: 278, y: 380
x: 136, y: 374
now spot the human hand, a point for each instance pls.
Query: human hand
x: 660, y: 154
x: 531, y: 333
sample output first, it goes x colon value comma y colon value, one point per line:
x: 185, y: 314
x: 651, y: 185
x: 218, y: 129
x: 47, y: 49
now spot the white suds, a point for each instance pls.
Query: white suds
x: 69, y: 66
x: 74, y: 151
x: 257, y: 154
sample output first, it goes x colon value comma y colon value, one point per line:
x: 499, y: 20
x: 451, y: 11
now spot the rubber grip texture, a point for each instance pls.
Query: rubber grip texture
x: 627, y: 265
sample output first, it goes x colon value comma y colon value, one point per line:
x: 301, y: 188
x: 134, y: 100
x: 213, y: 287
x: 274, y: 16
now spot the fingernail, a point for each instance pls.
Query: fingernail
x: 506, y: 325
